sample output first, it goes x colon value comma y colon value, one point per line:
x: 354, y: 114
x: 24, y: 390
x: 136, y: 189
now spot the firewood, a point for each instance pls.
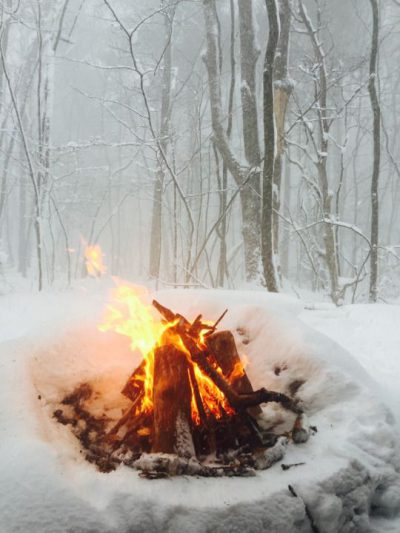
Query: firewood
x: 171, y: 398
x: 199, y: 356
x: 223, y: 348
x: 162, y: 465
x: 214, y: 326
x: 134, y: 387
x: 301, y: 431
x: 130, y: 414
x: 236, y: 400
x: 197, y: 396
x: 163, y: 437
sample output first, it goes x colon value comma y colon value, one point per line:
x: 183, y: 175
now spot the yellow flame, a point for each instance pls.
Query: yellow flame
x: 131, y: 316
x: 128, y: 315
x: 94, y: 261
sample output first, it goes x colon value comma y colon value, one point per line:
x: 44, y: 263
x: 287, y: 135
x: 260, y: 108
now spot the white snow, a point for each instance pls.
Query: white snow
x: 49, y: 343
x: 371, y: 334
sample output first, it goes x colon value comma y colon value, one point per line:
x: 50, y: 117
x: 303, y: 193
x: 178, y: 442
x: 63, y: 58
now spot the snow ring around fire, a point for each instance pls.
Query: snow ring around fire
x: 350, y: 463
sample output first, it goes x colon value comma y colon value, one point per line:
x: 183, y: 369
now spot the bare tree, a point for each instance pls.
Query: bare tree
x: 223, y: 270
x: 324, y: 124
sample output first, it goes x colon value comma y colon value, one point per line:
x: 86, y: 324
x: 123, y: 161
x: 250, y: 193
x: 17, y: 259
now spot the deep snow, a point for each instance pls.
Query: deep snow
x: 50, y: 342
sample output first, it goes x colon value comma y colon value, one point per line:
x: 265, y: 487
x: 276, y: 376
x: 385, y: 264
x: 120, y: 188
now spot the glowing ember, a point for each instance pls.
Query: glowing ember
x: 130, y: 315
x: 94, y: 261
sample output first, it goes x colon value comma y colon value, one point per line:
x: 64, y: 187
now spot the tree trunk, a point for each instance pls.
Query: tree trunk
x: 283, y: 88
x: 250, y: 195
x: 222, y: 230
x: 165, y: 115
x: 373, y: 283
x: 287, y: 195
x: 321, y: 89
x: 22, y: 251
x: 248, y: 61
x: 269, y: 149
x: 246, y: 179
x: 4, y: 43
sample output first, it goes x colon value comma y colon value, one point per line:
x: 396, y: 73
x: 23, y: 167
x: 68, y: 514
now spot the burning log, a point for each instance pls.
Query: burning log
x: 223, y: 348
x: 171, y: 397
x: 134, y: 386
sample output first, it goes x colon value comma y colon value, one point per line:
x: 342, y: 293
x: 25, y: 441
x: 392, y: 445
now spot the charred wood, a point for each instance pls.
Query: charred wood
x: 171, y: 398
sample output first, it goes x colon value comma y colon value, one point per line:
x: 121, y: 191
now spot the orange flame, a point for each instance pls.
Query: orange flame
x: 130, y: 315
x: 94, y: 261
x: 238, y: 370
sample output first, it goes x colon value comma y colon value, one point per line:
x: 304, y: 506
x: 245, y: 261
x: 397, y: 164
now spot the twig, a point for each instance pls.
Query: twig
x: 288, y: 467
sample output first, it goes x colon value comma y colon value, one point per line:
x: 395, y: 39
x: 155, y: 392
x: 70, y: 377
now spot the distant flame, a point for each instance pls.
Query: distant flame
x: 129, y: 315
x: 94, y: 261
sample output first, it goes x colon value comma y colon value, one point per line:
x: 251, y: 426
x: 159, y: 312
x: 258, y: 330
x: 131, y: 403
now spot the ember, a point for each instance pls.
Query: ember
x: 191, y: 400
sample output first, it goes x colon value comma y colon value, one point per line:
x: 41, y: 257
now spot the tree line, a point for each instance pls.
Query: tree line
x: 213, y: 143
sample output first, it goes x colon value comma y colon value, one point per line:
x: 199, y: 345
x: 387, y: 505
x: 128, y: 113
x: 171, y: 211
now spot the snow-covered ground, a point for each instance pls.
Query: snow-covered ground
x: 371, y: 333
x: 346, y: 358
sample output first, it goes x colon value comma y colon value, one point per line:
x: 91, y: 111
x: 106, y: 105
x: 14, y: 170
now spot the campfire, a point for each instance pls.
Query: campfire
x: 192, y: 407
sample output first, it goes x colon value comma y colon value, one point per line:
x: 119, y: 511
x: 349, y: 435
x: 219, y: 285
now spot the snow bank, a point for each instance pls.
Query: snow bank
x: 51, y: 344
x: 370, y: 332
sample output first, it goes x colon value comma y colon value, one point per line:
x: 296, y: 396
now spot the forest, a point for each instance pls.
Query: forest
x: 214, y: 143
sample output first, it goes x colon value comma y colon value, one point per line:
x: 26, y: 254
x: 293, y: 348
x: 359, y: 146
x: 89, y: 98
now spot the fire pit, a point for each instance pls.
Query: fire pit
x: 344, y: 477
x: 192, y: 407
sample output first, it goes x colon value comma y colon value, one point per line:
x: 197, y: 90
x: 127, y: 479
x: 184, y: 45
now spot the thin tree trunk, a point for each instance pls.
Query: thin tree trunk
x: 5, y: 27
x: 269, y: 149
x: 283, y: 88
x: 373, y: 283
x: 285, y: 257
x: 22, y: 252
x: 156, y: 220
x: 223, y: 261
x: 251, y: 195
x: 321, y: 90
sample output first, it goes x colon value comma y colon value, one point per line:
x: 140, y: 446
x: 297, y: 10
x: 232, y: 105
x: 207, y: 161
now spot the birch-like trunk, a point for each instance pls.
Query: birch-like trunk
x: 283, y: 88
